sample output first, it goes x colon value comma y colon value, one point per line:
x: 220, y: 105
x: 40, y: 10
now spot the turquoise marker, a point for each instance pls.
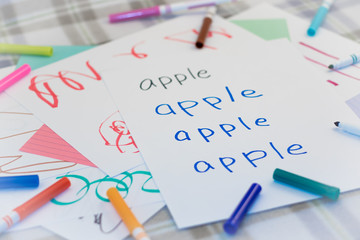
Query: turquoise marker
x: 319, y: 17
x: 306, y: 184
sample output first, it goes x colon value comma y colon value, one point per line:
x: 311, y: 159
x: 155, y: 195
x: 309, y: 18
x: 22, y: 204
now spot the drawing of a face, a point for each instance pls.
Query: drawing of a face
x: 115, y: 133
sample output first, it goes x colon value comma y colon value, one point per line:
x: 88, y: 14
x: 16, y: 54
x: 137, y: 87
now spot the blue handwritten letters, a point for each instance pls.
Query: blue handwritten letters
x: 207, y: 134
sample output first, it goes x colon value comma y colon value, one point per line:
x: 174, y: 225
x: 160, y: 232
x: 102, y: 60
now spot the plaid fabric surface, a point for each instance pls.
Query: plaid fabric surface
x: 85, y: 22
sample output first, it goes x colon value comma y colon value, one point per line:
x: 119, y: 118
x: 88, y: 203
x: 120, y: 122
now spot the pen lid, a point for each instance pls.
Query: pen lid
x: 27, y: 181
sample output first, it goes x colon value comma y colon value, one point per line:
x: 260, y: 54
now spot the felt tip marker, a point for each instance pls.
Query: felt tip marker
x: 232, y: 224
x: 349, y: 128
x: 319, y: 17
x: 15, y: 76
x: 13, y: 182
x: 164, y: 9
x: 133, y: 225
x: 205, y: 27
x: 26, y: 49
x: 344, y: 62
x: 21, y: 212
x: 306, y: 184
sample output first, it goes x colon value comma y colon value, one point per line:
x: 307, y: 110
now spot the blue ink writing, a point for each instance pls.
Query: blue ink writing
x: 272, y: 153
x: 224, y: 128
x: 214, y: 102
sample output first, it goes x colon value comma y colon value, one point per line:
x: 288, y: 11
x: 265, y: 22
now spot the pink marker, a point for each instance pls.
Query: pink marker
x: 163, y: 9
x: 15, y: 76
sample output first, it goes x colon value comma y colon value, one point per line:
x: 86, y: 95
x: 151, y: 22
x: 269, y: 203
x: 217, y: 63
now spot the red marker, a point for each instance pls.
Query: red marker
x: 21, y: 212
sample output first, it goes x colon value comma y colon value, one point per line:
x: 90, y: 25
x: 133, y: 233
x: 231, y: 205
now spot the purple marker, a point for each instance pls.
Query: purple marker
x: 232, y: 224
x: 163, y: 9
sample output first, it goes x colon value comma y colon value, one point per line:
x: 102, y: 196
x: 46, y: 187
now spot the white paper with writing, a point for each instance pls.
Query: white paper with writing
x: 231, y: 123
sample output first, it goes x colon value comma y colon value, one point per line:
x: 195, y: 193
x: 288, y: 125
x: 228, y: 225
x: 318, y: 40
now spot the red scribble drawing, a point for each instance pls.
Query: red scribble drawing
x: 185, y: 38
x: 133, y: 52
x: 332, y: 82
x: 115, y: 133
x: 47, y: 95
x: 329, y: 56
x: 15, y: 165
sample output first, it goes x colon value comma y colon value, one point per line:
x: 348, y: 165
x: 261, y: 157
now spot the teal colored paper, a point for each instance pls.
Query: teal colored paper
x: 59, y: 53
x: 267, y: 29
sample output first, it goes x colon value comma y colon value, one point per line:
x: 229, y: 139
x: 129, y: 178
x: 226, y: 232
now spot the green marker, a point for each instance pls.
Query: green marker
x: 26, y: 49
x: 306, y: 184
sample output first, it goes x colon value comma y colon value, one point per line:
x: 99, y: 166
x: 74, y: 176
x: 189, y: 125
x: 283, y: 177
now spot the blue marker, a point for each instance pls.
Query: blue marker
x: 319, y: 17
x: 232, y: 224
x: 349, y: 128
x: 27, y: 181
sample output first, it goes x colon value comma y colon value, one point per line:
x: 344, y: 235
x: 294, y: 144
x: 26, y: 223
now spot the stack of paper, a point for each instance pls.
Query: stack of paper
x: 206, y: 123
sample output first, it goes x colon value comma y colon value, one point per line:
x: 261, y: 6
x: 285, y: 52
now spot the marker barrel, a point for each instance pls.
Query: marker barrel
x: 347, y: 61
x: 133, y: 225
x: 352, y: 129
x: 319, y: 17
x: 205, y: 27
x: 139, y: 13
x: 164, y: 9
x: 306, y: 184
x: 43, y: 197
x: 28, y: 181
x: 15, y: 76
x: 33, y: 204
x: 26, y: 49
x: 232, y: 224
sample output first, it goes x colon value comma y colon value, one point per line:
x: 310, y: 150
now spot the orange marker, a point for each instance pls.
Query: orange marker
x: 21, y: 212
x: 135, y: 228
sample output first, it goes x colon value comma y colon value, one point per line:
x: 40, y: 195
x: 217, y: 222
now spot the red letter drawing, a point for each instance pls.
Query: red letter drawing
x: 133, y: 52
x: 40, y: 84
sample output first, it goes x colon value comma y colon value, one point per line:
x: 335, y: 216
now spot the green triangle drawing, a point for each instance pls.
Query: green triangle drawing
x: 267, y: 29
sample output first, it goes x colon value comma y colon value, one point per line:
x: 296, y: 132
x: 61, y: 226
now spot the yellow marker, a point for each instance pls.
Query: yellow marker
x: 26, y: 49
x: 135, y: 228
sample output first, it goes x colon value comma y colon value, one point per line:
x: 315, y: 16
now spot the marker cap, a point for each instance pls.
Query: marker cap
x: 27, y: 181
x: 306, y: 184
x: 139, y: 13
x: 232, y: 224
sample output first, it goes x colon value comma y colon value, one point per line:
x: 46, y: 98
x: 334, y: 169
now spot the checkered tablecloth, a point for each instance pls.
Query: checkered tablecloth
x: 85, y: 22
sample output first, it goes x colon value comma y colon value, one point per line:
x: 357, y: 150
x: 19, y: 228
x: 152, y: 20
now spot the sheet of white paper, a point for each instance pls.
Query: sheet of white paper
x: 231, y: 123
x: 69, y: 96
x: 86, y: 195
x: 321, y: 50
x: 17, y: 126
x: 105, y: 225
